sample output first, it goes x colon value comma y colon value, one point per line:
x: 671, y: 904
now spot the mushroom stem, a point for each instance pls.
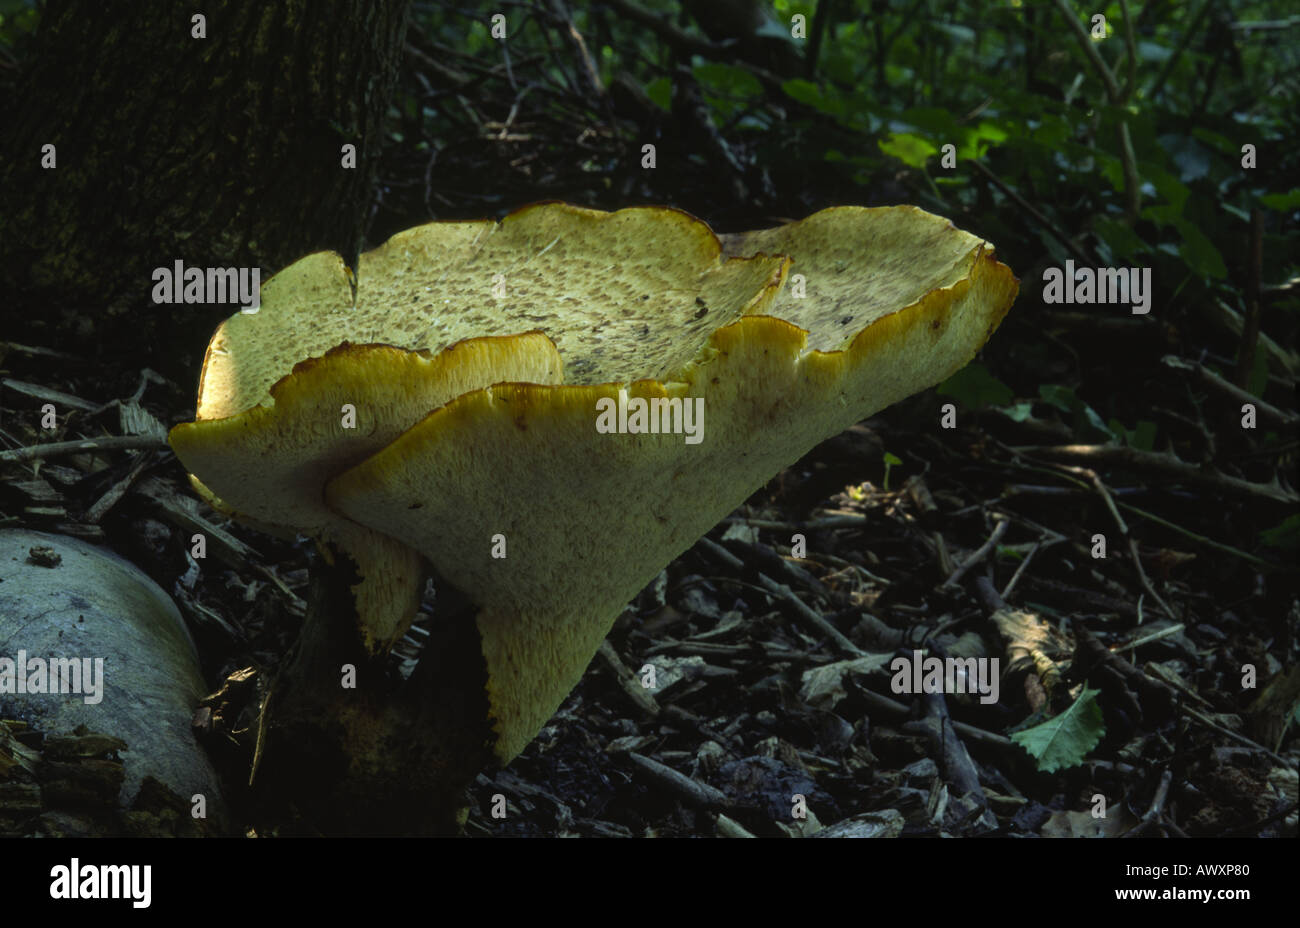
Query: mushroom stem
x: 388, y: 756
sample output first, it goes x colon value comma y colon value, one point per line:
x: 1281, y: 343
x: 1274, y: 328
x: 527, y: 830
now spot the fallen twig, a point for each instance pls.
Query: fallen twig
x: 38, y: 392
x: 642, y: 698
x: 811, y: 616
x: 114, y: 493
x: 1024, y: 565
x: 1161, y: 465
x: 694, y: 792
x: 982, y: 552
x: 1283, y: 417
x: 82, y: 446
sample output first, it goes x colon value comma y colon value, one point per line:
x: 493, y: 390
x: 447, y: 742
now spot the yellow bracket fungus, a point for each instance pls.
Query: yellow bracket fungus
x: 476, y: 357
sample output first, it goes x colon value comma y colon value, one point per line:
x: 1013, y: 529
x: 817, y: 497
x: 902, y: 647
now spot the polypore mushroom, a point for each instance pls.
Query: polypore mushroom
x: 493, y: 356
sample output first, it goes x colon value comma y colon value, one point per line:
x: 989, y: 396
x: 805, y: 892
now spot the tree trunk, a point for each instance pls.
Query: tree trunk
x: 222, y: 151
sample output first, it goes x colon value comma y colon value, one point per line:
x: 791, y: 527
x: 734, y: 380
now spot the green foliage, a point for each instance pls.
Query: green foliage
x: 1284, y: 536
x: 660, y: 91
x: 1084, y: 416
x: 974, y: 387
x: 891, y: 461
x: 912, y: 150
x: 18, y: 19
x: 1282, y: 201
x: 1065, y: 740
x: 1142, y: 436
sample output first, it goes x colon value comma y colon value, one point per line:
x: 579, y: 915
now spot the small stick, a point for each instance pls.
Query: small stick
x: 694, y: 792
x: 83, y: 445
x: 1152, y: 815
x: 982, y: 552
x: 36, y: 391
x: 1283, y: 417
x: 781, y: 591
x: 730, y: 828
x: 1161, y: 465
x: 1090, y: 52
x: 1132, y: 542
x: 886, y: 706
x: 941, y: 551
x: 1150, y: 517
x: 640, y: 696
x: 811, y: 616
x: 1240, y: 739
x: 721, y: 553
x: 841, y: 520
x: 1165, y: 632
x: 1042, y: 220
x: 114, y: 493
x: 1015, y: 578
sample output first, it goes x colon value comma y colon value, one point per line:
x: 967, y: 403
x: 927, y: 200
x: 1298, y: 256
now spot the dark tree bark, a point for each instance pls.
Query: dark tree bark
x: 220, y: 151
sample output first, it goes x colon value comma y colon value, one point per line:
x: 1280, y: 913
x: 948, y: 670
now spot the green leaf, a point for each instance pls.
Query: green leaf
x: 660, y: 92
x: 975, y: 141
x: 1285, y: 535
x: 775, y: 30
x: 1065, y: 399
x: 973, y: 386
x: 1053, y: 131
x: 890, y: 461
x: 1112, y: 169
x: 1064, y: 741
x: 1144, y: 436
x: 1199, y: 252
x: 729, y: 79
x: 1018, y: 412
x: 1237, y: 211
x: 1192, y: 158
x: 1096, y: 421
x: 1123, y: 241
x: 1225, y: 145
x: 811, y: 94
x: 1171, y: 188
x: 1282, y: 202
x: 955, y: 32
x: 1061, y: 397
x: 928, y: 119
x: 1154, y: 52
x: 910, y: 149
